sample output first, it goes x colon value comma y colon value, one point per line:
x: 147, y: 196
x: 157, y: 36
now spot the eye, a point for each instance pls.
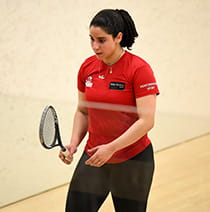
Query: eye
x: 91, y: 38
x: 102, y: 40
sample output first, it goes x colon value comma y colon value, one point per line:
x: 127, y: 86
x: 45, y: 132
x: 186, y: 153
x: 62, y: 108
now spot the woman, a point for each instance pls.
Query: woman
x: 117, y: 97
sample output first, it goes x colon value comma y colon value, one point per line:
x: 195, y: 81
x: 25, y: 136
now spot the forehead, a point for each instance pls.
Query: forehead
x: 98, y: 32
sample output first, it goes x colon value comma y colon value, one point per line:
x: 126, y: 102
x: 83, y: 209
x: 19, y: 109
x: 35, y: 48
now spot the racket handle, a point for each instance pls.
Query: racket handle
x: 66, y: 153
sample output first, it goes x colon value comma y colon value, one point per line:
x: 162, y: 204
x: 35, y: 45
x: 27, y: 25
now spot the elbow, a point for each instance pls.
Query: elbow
x: 147, y: 124
x: 82, y: 110
x: 151, y: 125
x: 152, y: 122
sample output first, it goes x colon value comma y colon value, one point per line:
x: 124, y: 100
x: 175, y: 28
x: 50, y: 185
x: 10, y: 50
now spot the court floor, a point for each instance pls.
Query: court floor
x: 181, y: 183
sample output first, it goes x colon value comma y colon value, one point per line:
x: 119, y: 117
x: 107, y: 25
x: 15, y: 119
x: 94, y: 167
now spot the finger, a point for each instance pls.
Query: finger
x: 99, y: 164
x: 66, y: 160
x: 93, y: 149
x: 61, y: 156
x: 94, y: 162
x: 69, y: 158
x: 89, y: 162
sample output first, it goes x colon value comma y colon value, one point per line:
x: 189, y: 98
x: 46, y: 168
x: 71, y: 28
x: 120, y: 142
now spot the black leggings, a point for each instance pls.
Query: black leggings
x: 129, y: 183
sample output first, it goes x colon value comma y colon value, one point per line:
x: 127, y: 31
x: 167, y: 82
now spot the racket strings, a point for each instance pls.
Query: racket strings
x: 49, y: 130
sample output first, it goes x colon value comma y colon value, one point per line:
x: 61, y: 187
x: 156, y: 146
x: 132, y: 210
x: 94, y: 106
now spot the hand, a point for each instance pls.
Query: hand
x: 101, y: 155
x: 68, y: 160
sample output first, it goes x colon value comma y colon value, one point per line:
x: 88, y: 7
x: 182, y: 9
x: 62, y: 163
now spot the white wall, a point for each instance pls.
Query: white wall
x: 43, y: 43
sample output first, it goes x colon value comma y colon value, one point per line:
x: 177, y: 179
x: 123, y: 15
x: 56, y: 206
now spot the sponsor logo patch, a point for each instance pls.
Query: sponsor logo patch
x: 117, y: 85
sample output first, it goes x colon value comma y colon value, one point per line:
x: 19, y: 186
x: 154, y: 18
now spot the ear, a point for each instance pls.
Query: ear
x: 119, y: 37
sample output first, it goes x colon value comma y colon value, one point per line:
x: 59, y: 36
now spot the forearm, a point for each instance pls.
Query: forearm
x: 80, y: 126
x: 134, y: 133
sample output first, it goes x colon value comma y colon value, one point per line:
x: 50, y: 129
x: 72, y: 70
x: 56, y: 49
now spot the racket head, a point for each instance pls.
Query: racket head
x: 48, y: 128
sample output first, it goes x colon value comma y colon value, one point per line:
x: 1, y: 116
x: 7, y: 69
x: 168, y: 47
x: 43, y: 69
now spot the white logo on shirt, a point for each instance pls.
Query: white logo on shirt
x: 149, y: 86
x: 89, y: 82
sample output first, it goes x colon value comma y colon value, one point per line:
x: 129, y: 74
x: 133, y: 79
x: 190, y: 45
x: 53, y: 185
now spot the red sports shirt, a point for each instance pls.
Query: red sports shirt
x: 111, y: 94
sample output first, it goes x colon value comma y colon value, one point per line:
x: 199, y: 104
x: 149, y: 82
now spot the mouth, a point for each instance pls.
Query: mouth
x: 98, y: 54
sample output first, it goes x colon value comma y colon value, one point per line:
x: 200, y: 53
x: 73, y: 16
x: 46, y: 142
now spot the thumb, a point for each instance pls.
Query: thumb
x: 94, y: 149
x: 71, y: 149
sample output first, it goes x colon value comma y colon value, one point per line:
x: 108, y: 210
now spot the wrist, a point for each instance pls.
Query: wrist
x: 113, y: 147
x: 74, y: 143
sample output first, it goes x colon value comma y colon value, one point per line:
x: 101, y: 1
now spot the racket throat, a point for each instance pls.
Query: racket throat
x: 59, y: 141
x: 63, y: 148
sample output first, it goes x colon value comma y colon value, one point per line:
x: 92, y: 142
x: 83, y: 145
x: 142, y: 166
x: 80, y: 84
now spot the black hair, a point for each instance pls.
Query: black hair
x: 115, y: 21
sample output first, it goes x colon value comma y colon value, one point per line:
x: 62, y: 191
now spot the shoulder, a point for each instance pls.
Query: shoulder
x: 135, y: 60
x: 136, y: 66
x: 142, y: 77
x: 90, y: 61
x: 89, y: 65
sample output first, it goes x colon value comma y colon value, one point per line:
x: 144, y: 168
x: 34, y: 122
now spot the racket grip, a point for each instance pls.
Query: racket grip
x: 67, y: 153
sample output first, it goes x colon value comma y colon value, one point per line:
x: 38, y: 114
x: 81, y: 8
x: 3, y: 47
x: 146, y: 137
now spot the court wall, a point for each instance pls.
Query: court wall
x: 42, y: 46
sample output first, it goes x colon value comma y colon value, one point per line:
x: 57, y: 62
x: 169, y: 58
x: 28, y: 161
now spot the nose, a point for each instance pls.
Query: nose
x: 95, y: 45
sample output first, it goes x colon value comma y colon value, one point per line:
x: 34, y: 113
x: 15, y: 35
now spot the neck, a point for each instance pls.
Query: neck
x: 116, y: 56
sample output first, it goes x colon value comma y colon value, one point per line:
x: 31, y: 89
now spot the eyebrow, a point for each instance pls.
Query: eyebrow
x: 97, y: 37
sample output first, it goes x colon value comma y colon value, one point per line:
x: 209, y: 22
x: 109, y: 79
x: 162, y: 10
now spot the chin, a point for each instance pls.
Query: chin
x: 99, y: 56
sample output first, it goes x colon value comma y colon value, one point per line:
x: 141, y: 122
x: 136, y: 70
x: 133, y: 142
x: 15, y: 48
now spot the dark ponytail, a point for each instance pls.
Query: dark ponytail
x: 115, y: 21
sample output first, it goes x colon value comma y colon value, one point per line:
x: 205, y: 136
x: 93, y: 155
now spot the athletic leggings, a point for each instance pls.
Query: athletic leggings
x: 129, y: 183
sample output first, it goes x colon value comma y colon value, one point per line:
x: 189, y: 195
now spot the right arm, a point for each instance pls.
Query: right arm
x: 80, y: 127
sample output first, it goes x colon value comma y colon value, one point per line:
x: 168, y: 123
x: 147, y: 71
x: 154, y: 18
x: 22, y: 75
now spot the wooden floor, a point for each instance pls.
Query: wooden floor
x: 181, y: 183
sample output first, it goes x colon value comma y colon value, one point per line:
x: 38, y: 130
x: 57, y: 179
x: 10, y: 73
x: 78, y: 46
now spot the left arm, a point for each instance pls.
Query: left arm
x: 146, y: 111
